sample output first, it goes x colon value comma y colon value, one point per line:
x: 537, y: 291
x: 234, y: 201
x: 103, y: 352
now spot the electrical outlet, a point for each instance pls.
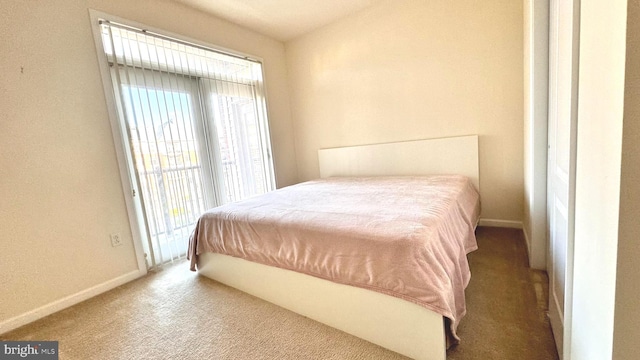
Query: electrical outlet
x: 116, y: 240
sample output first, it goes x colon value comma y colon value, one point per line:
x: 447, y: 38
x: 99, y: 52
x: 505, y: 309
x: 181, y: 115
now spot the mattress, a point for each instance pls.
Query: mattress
x: 406, y: 237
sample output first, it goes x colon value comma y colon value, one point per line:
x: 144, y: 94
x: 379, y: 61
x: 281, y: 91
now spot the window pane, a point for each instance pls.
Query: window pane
x: 240, y: 144
x: 165, y: 151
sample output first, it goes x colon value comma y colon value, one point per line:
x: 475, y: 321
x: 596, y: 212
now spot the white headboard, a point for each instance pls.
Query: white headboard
x: 454, y: 155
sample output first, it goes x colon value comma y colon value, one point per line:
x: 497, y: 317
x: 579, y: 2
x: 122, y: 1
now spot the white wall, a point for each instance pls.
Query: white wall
x: 60, y: 189
x: 627, y: 316
x: 413, y: 69
x: 599, y: 138
x: 536, y: 89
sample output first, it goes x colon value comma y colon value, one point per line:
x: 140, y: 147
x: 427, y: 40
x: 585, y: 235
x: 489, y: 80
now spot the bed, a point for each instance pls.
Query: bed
x: 355, y: 289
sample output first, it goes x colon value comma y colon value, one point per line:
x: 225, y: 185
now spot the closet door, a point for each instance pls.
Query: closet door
x: 563, y: 74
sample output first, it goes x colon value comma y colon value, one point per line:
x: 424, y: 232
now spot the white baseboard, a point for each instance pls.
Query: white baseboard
x: 48, y: 309
x: 501, y: 223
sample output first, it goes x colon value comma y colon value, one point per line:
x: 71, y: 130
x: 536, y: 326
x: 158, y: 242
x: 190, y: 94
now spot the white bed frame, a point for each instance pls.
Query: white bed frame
x: 390, y: 322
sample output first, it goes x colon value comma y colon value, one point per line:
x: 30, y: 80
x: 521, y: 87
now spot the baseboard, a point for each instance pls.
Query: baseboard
x: 501, y: 223
x: 48, y: 309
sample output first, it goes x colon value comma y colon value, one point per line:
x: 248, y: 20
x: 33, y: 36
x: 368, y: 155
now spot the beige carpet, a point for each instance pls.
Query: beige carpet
x: 175, y: 314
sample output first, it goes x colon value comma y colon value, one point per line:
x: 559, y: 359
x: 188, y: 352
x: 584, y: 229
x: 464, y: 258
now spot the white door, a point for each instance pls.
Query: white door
x: 563, y: 74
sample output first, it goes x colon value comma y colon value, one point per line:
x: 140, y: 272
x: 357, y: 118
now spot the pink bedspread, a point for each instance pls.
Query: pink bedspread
x: 403, y: 236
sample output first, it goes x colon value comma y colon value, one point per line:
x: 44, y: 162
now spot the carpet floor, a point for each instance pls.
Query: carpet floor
x: 175, y: 314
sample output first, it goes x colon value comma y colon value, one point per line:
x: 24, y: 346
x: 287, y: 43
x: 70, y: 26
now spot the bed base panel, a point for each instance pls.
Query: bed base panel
x: 387, y: 321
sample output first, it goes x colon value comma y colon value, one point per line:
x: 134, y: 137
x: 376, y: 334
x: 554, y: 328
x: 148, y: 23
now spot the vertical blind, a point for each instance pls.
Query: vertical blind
x: 196, y: 126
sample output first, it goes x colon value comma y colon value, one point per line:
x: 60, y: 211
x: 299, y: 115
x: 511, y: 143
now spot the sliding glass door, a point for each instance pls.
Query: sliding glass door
x: 196, y: 129
x: 171, y: 162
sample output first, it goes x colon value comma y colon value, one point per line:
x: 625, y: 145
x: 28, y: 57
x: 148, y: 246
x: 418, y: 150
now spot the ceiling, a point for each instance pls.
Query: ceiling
x: 280, y: 19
